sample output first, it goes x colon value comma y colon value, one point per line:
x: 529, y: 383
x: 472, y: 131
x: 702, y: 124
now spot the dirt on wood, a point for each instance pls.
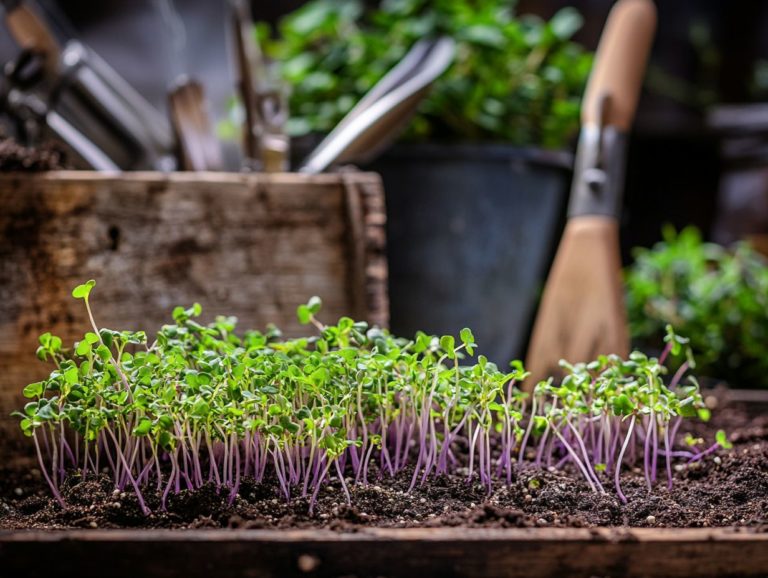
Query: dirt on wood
x: 17, y: 158
x: 729, y: 488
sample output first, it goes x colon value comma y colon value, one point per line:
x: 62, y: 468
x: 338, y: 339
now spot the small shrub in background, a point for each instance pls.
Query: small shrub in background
x: 715, y: 296
x: 515, y: 79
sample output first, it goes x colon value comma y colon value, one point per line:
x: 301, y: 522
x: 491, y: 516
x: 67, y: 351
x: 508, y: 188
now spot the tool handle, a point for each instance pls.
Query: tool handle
x: 620, y: 65
x: 31, y: 32
x: 248, y: 65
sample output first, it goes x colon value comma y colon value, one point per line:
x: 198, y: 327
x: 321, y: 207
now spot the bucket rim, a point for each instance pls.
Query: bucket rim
x: 561, y: 159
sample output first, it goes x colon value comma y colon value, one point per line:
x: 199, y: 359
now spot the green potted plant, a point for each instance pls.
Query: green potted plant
x: 477, y: 185
x: 717, y: 296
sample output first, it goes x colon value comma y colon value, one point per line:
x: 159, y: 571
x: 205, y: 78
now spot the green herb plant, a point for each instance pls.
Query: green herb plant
x: 716, y: 296
x: 515, y: 79
x: 202, y: 404
x: 610, y: 406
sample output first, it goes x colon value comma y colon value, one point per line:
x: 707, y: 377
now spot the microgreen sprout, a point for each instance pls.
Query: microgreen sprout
x: 608, y: 412
x: 203, y: 404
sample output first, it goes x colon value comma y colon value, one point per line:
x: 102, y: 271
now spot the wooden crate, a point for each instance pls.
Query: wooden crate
x: 391, y: 553
x: 254, y: 246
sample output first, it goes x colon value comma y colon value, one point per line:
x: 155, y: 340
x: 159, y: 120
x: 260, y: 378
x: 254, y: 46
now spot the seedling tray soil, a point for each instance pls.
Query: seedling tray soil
x: 17, y: 158
x: 545, y: 524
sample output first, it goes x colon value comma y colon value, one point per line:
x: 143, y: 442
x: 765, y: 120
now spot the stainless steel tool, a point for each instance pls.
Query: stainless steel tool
x: 107, y: 109
x: 75, y: 92
x: 33, y: 119
x: 383, y: 112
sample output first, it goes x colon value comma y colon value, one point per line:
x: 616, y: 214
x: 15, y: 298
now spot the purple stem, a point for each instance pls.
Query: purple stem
x: 617, y: 473
x: 647, y: 453
x: 54, y: 489
x: 668, y: 457
x: 576, y: 459
x: 711, y: 449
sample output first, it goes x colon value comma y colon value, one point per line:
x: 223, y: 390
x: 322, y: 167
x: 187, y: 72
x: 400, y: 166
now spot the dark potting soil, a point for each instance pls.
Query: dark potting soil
x: 17, y: 158
x: 729, y: 488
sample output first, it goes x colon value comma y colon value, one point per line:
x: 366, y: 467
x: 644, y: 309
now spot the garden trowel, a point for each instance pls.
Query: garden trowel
x: 385, y: 110
x: 582, y: 312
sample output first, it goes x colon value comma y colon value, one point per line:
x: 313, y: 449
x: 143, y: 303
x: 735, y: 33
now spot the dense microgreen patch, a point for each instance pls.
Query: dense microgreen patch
x: 515, y: 79
x: 612, y: 409
x: 204, y: 404
x: 716, y: 296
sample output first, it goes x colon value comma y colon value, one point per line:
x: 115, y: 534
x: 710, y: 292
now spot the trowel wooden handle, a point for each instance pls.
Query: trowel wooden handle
x: 620, y: 64
x: 31, y: 33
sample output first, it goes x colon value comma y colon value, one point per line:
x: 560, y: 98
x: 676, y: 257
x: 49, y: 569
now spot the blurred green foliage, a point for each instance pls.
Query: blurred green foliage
x: 515, y: 79
x: 715, y: 296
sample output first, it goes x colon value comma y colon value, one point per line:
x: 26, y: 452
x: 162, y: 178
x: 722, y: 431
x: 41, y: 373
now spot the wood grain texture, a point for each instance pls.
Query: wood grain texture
x: 394, y: 553
x: 582, y: 312
x: 253, y: 246
x: 197, y: 146
x: 620, y: 64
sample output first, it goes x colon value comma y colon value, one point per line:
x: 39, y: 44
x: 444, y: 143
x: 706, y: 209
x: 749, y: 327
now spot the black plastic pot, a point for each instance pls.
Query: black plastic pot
x: 472, y: 231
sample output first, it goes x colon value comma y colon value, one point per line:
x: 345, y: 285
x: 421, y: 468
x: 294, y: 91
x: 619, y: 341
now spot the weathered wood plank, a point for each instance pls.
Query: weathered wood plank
x: 253, y: 246
x: 444, y: 552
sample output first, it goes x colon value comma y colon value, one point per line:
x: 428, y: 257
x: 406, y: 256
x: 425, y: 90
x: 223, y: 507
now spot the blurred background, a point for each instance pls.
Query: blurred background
x: 706, y: 53
x: 477, y: 183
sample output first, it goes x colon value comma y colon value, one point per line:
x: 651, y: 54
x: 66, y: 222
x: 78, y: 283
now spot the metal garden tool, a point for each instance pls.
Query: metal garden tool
x: 33, y: 118
x: 110, y: 112
x: 382, y: 113
x: 198, y: 147
x: 265, y: 144
x: 582, y: 312
x: 77, y: 88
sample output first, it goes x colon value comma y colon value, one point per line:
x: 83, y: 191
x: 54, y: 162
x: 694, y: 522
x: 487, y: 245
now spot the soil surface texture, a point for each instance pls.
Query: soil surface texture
x: 729, y: 488
x: 17, y: 158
